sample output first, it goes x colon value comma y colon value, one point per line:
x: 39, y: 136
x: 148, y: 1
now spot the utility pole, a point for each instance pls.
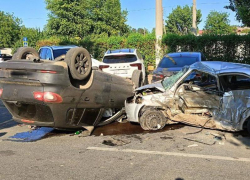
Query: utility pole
x: 194, y: 17
x: 158, y: 30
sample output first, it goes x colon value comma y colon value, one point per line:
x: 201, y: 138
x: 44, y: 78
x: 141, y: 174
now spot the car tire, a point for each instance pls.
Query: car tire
x: 25, y: 53
x: 137, y: 78
x: 79, y: 62
x: 152, y: 119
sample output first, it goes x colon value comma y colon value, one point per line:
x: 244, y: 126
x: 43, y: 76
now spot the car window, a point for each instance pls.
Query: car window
x: 202, y: 79
x: 48, y: 55
x: 169, y: 62
x: 234, y: 82
x: 42, y: 53
x: 119, y: 59
x: 59, y: 52
x: 170, y: 81
x: 203, y: 57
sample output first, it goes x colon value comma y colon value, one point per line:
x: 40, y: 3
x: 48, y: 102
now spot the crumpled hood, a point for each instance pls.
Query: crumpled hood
x: 156, y: 85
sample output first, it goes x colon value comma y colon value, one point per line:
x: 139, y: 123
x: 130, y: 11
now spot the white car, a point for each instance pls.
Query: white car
x: 127, y: 63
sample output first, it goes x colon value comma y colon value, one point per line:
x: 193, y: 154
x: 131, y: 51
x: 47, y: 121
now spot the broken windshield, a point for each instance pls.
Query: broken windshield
x: 169, y: 82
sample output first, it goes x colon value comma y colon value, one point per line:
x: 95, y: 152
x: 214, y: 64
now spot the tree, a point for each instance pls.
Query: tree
x: 180, y: 20
x: 218, y: 23
x: 33, y: 35
x: 242, y: 10
x: 80, y: 18
x: 9, y: 29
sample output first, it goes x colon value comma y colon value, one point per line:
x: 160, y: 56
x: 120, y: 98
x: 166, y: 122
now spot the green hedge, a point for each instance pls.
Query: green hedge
x: 230, y: 48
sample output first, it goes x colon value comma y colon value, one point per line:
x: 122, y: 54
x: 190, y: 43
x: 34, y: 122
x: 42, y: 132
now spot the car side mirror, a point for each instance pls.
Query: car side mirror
x: 143, y: 57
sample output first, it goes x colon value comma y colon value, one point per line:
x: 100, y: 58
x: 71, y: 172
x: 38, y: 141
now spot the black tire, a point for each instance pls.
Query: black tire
x: 25, y: 53
x: 137, y: 78
x: 79, y: 62
x: 152, y: 119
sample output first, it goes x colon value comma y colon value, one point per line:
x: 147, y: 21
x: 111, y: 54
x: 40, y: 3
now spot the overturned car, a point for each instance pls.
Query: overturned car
x: 64, y: 94
x: 213, y: 95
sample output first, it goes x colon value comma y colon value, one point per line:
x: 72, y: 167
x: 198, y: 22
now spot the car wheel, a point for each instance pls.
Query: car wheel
x: 25, y: 53
x: 79, y: 62
x: 152, y: 119
x: 137, y: 78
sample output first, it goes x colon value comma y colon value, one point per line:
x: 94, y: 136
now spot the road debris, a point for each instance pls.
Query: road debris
x: 193, y: 145
x: 116, y: 142
x: 166, y: 137
x: 198, y: 141
x: 31, y: 136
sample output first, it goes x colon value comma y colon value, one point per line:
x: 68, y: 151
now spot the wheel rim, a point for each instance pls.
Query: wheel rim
x: 154, y: 121
x: 28, y: 56
x: 81, y: 63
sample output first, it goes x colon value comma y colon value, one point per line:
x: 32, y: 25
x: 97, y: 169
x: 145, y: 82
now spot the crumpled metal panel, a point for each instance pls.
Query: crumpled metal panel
x: 234, y: 109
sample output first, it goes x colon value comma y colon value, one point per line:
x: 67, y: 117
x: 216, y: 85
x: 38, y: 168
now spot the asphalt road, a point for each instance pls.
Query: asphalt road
x: 170, y: 154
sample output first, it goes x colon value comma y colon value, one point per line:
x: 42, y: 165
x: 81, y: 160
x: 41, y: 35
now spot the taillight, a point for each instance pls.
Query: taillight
x: 103, y: 67
x: 1, y: 92
x: 49, y: 97
x: 45, y: 71
x: 136, y: 65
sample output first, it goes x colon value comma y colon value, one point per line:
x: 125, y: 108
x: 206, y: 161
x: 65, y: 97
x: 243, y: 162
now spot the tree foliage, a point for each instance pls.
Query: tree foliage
x: 180, y: 20
x: 80, y: 18
x: 242, y: 9
x: 9, y: 29
x: 33, y: 35
x: 218, y: 23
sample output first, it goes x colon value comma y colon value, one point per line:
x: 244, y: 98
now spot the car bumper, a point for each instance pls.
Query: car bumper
x: 133, y: 110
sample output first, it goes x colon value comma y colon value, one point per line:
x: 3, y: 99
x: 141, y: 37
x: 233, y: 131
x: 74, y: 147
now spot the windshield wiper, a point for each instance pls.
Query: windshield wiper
x: 173, y: 61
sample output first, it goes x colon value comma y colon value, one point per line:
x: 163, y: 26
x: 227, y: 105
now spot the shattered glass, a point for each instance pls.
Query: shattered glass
x: 169, y: 82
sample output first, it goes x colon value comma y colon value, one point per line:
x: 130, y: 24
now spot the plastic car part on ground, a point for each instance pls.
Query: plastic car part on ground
x: 211, y: 95
x: 31, y: 136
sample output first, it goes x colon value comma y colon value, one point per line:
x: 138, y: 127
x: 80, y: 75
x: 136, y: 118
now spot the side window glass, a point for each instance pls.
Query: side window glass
x: 42, y: 53
x: 202, y: 79
x: 203, y: 58
x: 234, y: 82
x: 48, y: 54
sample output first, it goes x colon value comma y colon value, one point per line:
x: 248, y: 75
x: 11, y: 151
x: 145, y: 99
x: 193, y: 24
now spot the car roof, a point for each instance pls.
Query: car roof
x: 191, y: 54
x: 120, y: 51
x: 60, y: 47
x: 219, y: 67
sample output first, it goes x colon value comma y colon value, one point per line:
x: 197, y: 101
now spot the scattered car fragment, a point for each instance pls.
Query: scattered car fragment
x: 172, y: 63
x: 212, y: 95
x: 127, y: 63
x: 64, y: 94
